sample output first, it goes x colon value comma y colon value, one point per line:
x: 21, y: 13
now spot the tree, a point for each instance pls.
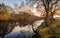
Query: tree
x: 49, y: 8
x: 3, y: 8
x: 5, y: 28
x: 3, y: 11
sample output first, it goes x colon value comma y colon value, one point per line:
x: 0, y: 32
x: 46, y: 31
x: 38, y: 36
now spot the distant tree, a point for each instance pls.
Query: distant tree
x: 3, y: 11
x: 3, y: 8
x: 9, y: 9
x: 4, y: 15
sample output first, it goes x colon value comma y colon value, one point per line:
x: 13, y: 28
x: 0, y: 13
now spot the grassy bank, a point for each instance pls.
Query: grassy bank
x: 52, y: 31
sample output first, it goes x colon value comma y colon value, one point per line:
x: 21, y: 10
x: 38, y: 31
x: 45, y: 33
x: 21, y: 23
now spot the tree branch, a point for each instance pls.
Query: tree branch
x: 55, y: 2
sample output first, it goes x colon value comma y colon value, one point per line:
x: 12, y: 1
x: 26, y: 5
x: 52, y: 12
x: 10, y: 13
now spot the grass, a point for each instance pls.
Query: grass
x: 52, y: 31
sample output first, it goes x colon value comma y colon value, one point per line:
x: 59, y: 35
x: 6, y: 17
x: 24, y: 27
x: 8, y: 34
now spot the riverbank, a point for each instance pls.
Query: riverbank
x: 52, y: 31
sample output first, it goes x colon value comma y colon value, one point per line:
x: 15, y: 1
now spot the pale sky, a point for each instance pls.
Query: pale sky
x: 11, y: 1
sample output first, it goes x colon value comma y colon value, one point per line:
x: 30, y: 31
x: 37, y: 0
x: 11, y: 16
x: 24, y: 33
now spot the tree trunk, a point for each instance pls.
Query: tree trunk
x: 48, y: 14
x: 47, y: 17
x: 47, y: 20
x: 52, y: 16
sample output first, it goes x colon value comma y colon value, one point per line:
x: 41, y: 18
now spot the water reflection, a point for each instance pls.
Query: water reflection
x: 21, y: 34
x: 15, y: 28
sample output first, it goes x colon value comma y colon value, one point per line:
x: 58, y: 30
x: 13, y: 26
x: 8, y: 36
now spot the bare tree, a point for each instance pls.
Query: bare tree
x: 49, y: 8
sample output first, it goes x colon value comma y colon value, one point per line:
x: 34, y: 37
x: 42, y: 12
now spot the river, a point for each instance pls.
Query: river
x: 23, y: 32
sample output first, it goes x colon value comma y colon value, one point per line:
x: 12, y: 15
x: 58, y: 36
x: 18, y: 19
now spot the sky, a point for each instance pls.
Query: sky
x: 11, y: 1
